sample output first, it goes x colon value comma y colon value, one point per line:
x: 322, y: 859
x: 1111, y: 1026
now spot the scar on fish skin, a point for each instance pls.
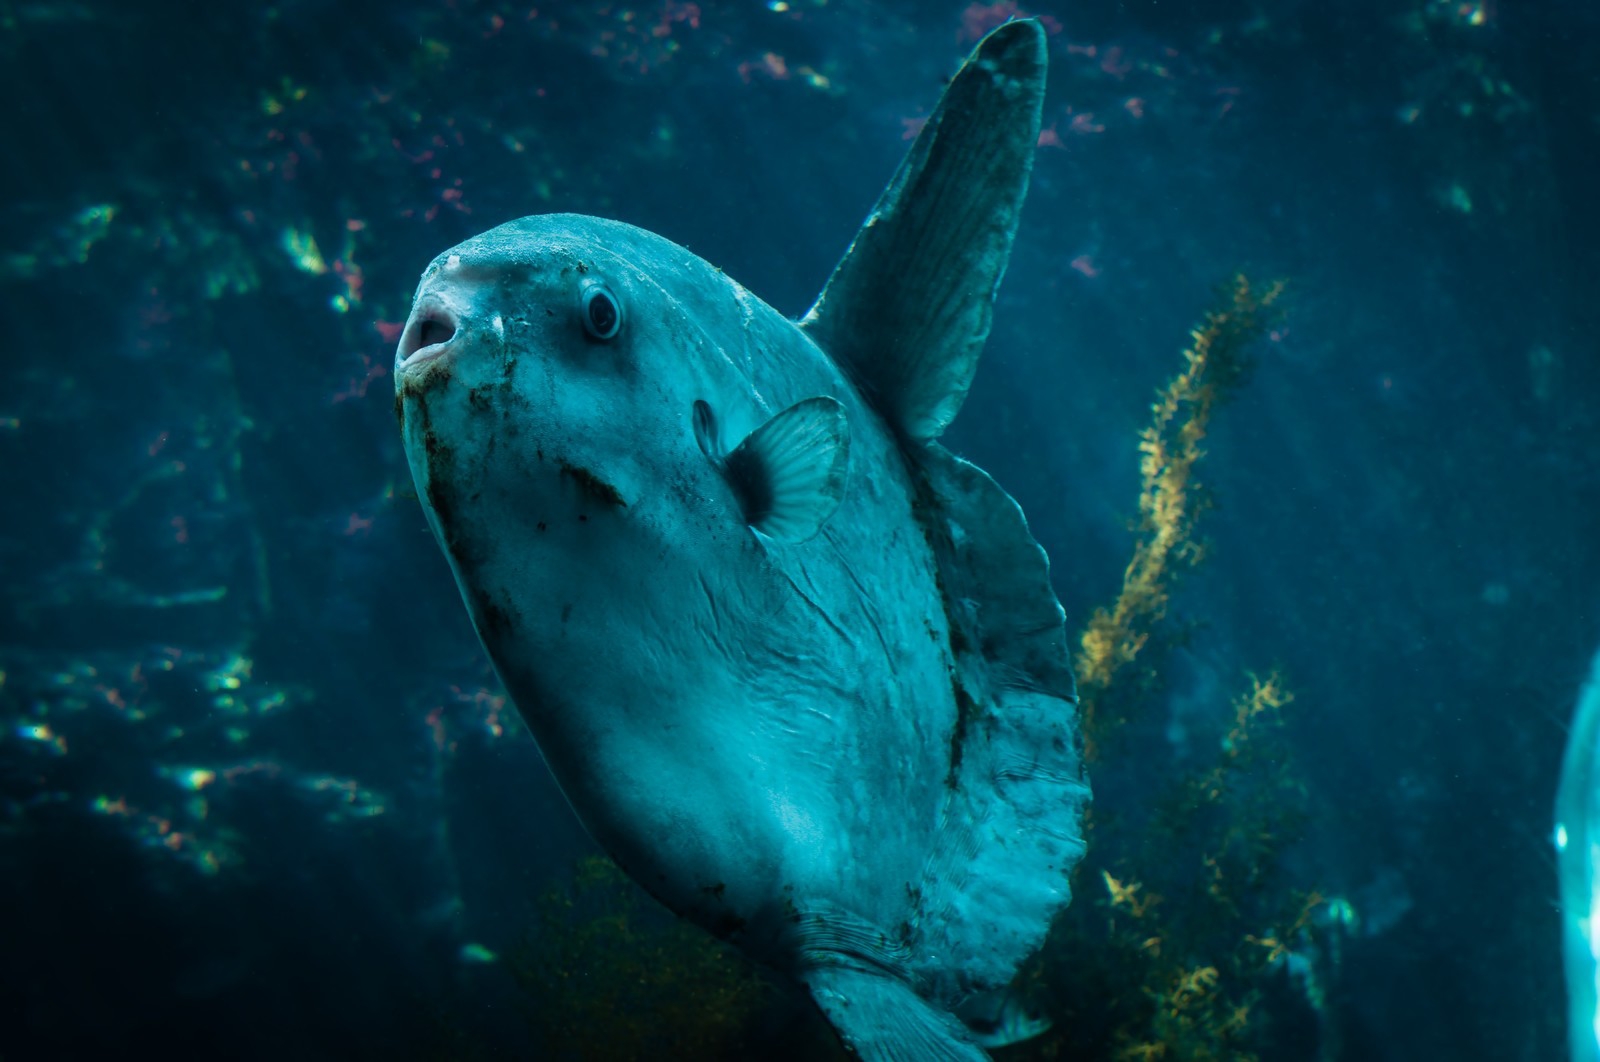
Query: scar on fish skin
x: 497, y: 619
x: 966, y: 712
x: 593, y: 485
x: 439, y: 458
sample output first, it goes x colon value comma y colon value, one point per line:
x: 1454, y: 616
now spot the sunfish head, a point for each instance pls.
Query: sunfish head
x: 608, y: 437
x: 548, y: 383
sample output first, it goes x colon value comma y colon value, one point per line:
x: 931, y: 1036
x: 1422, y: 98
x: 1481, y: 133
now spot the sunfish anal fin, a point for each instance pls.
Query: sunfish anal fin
x: 908, y: 308
x: 883, y: 1020
x: 789, y: 473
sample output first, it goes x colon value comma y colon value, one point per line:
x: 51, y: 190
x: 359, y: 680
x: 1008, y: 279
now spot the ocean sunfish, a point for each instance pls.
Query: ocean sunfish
x: 1578, y: 863
x: 797, y: 667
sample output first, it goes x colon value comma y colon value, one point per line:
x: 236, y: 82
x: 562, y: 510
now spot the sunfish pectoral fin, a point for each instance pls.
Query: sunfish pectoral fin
x: 789, y: 474
x: 908, y: 308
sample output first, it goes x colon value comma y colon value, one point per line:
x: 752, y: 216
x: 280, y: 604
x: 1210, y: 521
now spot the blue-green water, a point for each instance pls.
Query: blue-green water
x: 259, y: 790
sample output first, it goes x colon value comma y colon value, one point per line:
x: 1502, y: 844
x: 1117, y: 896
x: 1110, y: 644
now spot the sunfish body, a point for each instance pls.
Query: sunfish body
x: 1578, y: 862
x: 797, y: 667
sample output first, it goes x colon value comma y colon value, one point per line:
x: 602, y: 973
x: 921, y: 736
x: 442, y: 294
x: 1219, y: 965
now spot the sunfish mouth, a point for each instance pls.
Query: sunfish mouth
x: 428, y: 335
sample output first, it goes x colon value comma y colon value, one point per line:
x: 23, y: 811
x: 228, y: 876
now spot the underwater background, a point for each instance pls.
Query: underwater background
x: 260, y: 792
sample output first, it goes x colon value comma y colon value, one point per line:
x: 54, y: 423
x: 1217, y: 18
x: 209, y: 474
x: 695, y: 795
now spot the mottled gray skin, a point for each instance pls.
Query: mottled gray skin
x: 797, y: 666
x: 753, y: 730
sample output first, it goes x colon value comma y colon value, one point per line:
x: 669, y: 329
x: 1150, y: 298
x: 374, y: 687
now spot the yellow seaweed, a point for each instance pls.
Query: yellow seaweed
x: 1129, y: 980
x: 1170, y: 500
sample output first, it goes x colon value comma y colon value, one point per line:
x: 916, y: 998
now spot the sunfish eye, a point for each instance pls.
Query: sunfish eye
x: 601, y: 312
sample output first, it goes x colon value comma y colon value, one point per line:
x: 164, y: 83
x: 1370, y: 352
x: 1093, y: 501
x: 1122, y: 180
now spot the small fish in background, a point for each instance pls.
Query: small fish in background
x: 798, y: 668
x: 1002, y: 1017
x: 1577, y: 839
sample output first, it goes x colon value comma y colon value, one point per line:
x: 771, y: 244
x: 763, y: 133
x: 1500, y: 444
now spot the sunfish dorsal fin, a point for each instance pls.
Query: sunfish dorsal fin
x: 908, y: 308
x: 789, y: 473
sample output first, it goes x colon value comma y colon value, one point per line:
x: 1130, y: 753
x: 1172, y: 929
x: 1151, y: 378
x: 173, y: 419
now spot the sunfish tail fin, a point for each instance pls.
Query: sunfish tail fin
x: 1012, y: 828
x: 882, y: 1019
x: 908, y: 308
